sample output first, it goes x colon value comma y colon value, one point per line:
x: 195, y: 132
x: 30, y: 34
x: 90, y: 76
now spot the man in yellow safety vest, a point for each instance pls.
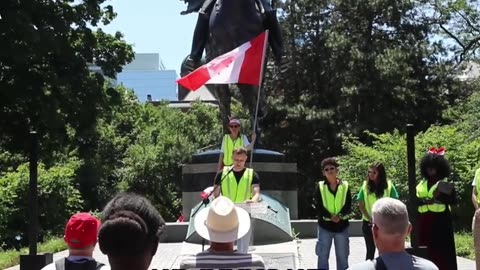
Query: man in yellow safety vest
x: 239, y: 184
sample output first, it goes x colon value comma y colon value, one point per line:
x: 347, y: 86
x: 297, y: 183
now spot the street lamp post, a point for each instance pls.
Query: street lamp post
x: 33, y: 261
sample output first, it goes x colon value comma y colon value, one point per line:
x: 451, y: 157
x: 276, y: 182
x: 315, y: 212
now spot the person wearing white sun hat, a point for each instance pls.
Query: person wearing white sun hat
x: 222, y: 223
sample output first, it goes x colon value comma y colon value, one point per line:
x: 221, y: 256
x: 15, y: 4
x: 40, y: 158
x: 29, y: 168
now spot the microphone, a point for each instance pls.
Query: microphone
x: 229, y: 171
x: 219, y: 184
x: 223, y: 178
x: 205, y: 194
x: 205, y: 197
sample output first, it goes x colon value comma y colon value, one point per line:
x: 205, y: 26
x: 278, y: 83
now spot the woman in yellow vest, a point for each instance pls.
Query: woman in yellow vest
x: 232, y: 141
x: 435, y: 195
x: 334, y: 203
x: 375, y: 187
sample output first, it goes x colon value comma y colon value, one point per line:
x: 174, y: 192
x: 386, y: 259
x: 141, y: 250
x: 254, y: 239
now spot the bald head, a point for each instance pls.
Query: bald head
x: 391, y: 216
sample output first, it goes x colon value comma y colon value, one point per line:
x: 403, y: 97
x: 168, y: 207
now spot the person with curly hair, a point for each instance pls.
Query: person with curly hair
x: 130, y: 232
x: 375, y: 187
x: 434, y: 197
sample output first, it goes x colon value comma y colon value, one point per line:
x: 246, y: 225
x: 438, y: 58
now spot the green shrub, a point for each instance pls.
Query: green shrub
x: 167, y: 138
x: 57, y: 200
x: 390, y: 148
x: 464, y: 245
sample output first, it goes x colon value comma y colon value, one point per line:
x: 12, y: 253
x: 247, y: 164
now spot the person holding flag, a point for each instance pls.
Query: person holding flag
x: 232, y: 141
x: 242, y: 66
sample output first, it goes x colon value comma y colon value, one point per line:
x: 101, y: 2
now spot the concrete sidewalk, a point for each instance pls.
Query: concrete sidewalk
x: 291, y: 255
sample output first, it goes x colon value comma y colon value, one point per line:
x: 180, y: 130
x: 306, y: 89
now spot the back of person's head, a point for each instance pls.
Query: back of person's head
x: 81, y: 233
x: 131, y: 227
x: 390, y: 216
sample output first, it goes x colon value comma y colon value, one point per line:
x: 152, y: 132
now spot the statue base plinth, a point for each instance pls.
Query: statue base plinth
x: 278, y: 178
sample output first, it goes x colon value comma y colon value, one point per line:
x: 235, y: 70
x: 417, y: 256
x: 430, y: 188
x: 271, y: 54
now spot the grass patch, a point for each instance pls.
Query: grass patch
x: 464, y: 245
x: 11, y: 258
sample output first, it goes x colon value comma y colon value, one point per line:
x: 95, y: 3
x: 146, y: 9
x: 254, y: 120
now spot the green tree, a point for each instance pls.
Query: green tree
x: 57, y: 196
x: 103, y: 147
x: 45, y: 81
x: 356, y: 66
x: 456, y: 24
x: 463, y: 153
x: 460, y: 137
x: 166, y: 140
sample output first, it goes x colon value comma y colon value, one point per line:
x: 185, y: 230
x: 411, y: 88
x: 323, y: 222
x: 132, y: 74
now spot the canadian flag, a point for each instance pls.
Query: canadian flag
x: 241, y: 65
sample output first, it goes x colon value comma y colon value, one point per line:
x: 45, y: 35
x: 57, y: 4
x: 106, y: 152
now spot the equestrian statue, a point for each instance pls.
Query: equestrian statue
x: 223, y: 25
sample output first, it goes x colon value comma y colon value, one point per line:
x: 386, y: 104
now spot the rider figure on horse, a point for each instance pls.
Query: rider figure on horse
x: 223, y: 25
x: 200, y: 36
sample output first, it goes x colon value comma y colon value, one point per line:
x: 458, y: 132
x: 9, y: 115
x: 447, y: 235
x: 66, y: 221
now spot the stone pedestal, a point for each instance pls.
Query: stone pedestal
x: 278, y: 178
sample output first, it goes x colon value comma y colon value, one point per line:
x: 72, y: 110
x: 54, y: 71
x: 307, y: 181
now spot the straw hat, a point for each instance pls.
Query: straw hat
x: 222, y: 221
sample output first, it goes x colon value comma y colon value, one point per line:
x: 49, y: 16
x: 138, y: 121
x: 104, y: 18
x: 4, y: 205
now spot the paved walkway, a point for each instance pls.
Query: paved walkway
x: 292, y: 255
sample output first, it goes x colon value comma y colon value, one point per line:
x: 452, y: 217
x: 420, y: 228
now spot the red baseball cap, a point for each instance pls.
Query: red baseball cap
x: 81, y: 230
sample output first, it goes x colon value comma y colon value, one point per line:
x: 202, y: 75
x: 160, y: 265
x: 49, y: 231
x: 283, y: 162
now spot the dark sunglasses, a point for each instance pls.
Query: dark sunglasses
x: 329, y: 169
x: 235, y: 126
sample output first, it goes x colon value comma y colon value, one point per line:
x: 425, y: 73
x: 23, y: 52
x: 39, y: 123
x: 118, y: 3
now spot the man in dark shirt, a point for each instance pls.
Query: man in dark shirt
x: 236, y: 191
x: 239, y: 184
x: 334, y: 203
x: 238, y: 175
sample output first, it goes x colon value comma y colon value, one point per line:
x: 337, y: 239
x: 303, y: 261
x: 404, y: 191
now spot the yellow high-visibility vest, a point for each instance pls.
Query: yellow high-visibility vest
x: 333, y: 202
x: 228, y: 146
x: 426, y: 194
x: 369, y: 198
x: 477, y: 184
x: 240, y: 192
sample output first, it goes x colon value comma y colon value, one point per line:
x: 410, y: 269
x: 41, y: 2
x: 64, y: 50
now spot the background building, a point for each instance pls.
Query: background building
x: 151, y: 82
x: 147, y: 75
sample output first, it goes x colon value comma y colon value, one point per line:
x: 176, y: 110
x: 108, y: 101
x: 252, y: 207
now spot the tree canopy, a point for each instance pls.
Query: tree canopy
x: 360, y: 70
x: 46, y: 50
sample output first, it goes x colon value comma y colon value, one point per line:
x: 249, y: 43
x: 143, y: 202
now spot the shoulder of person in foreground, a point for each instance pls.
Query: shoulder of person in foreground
x: 212, y: 259
x: 188, y: 261
x: 257, y: 260
x: 423, y: 264
x: 53, y: 267
x: 366, y: 265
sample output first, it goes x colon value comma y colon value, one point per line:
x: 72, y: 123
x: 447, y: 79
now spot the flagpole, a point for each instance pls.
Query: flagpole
x: 258, y: 95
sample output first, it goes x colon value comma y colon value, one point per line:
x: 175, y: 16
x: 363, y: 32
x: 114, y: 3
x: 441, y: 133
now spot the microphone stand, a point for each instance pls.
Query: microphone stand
x: 206, y: 200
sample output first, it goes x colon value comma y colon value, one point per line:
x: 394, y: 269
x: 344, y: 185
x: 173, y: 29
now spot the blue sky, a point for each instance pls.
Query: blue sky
x: 155, y: 26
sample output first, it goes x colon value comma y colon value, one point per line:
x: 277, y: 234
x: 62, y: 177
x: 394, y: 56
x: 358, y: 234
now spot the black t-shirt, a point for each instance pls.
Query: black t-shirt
x: 323, y: 212
x: 238, y: 176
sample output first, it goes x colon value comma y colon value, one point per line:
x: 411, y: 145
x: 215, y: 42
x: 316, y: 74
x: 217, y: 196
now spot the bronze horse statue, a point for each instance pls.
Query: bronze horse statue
x: 222, y: 26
